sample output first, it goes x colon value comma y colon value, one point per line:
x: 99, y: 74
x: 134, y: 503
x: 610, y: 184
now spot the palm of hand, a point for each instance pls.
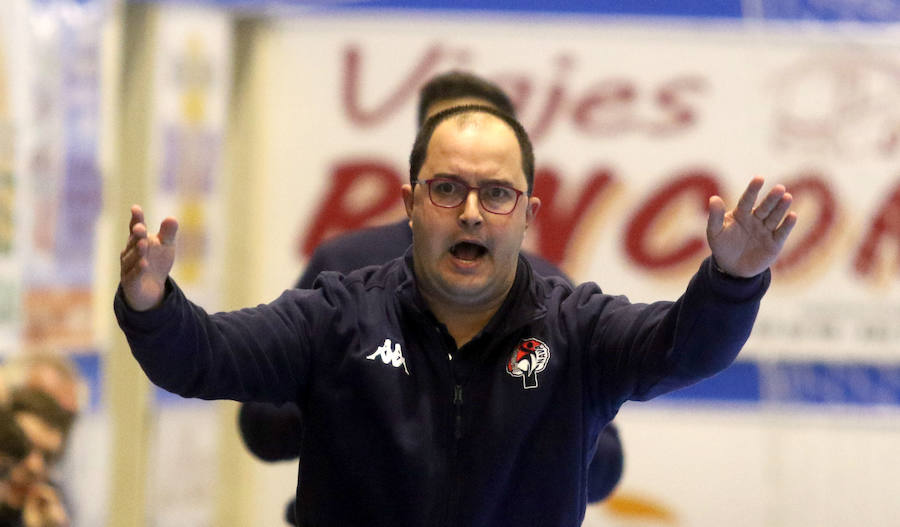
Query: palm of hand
x: 744, y: 246
x: 746, y: 240
x: 146, y: 261
x: 160, y: 257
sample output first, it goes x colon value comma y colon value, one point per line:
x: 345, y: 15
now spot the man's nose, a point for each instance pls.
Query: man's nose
x: 471, y: 213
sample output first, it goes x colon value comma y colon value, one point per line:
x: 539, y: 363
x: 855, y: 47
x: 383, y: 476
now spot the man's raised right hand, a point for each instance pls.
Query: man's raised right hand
x: 146, y: 261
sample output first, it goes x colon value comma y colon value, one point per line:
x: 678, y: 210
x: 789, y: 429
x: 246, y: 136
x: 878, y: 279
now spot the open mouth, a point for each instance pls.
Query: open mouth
x: 468, y: 251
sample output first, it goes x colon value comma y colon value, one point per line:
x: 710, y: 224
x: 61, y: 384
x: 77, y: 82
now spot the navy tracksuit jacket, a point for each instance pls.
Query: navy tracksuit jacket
x: 403, y: 429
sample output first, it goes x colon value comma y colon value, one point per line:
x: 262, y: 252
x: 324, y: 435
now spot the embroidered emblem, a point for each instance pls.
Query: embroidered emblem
x: 388, y: 355
x: 528, y: 359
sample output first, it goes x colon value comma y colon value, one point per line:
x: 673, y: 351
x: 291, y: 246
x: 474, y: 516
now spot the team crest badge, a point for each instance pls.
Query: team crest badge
x: 528, y: 359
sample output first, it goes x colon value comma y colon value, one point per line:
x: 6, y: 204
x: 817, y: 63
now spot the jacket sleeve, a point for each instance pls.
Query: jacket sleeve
x: 260, y: 354
x: 640, y: 351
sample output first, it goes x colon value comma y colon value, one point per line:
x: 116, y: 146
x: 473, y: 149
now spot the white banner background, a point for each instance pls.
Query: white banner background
x: 646, y: 105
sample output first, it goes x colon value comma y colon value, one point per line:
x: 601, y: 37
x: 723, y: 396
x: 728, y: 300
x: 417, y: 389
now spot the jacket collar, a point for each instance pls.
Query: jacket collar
x: 521, y: 307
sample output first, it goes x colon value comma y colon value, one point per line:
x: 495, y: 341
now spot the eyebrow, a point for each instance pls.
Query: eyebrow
x: 489, y: 181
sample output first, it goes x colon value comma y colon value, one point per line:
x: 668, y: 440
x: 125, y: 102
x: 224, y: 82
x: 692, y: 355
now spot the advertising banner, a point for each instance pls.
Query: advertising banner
x: 12, y: 52
x: 63, y: 179
x: 635, y: 127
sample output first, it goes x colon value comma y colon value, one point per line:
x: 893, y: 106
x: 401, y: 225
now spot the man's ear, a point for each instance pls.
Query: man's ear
x: 534, y: 204
x: 407, y: 191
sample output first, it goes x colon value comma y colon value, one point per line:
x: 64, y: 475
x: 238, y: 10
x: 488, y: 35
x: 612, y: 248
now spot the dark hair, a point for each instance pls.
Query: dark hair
x: 420, y: 146
x: 45, y: 407
x: 14, y: 444
x: 458, y: 84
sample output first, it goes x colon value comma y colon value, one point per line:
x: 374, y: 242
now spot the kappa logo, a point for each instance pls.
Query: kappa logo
x: 528, y: 359
x: 389, y: 355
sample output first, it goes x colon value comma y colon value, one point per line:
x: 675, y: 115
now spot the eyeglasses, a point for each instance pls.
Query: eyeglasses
x: 493, y: 197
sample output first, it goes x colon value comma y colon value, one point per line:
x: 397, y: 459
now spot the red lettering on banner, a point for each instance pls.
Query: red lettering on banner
x: 518, y: 88
x: 338, y: 212
x: 696, y: 184
x: 670, y: 99
x: 885, y: 225
x: 607, y: 108
x: 363, y: 190
x: 810, y: 186
x: 557, y: 221
x: 352, y: 86
x: 554, y: 100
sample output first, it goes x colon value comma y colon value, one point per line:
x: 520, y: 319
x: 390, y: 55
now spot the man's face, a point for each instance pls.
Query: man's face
x: 466, y: 256
x: 46, y: 446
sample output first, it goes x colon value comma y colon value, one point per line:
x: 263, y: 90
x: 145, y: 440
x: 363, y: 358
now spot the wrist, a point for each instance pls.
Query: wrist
x: 723, y: 272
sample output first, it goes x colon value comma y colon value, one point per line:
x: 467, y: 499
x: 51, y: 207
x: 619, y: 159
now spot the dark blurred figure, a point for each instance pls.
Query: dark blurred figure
x: 51, y: 373
x: 27, y: 497
x: 273, y: 433
x: 14, y: 446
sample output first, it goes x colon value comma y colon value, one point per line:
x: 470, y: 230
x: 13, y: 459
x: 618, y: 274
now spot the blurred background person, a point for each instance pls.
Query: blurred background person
x: 51, y: 373
x: 28, y: 497
x: 57, y: 376
x: 14, y: 446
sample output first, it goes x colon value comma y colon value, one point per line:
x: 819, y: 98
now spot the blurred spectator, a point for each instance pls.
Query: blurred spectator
x: 52, y: 374
x: 14, y: 446
x: 27, y: 498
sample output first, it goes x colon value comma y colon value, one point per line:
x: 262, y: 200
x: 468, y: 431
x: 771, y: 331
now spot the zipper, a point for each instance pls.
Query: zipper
x: 453, y: 494
x: 457, y: 403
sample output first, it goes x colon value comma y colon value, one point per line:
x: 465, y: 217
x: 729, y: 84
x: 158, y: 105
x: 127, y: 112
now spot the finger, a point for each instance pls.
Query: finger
x: 137, y: 247
x: 129, y: 258
x: 775, y: 217
x: 781, y: 233
x: 138, y: 233
x: 716, y: 219
x: 167, y: 230
x: 773, y: 198
x: 137, y: 216
x: 748, y: 198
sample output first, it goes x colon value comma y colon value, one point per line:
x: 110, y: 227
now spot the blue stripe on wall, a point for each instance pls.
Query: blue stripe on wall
x: 738, y: 383
x: 818, y: 10
x: 814, y: 383
x: 686, y: 8
x: 832, y: 10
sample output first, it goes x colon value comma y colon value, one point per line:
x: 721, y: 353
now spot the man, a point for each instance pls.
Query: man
x: 272, y: 432
x: 27, y: 498
x: 454, y: 386
x: 377, y: 245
